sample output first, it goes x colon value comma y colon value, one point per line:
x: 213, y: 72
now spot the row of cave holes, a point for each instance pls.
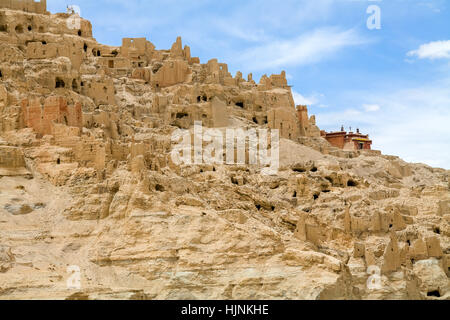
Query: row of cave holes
x: 61, y: 84
x: 19, y: 29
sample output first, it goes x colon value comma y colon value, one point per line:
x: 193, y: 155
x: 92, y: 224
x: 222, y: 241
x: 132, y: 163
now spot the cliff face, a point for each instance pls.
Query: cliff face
x: 89, y: 189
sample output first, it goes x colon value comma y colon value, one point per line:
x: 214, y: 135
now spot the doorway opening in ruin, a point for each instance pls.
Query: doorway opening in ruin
x: 111, y: 64
x: 30, y: 28
x: 19, y: 29
x: 60, y: 83
x: 182, y: 115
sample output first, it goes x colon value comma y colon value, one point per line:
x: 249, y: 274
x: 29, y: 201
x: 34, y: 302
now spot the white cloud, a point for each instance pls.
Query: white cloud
x: 302, y: 100
x: 371, y: 107
x: 311, y: 47
x: 432, y: 50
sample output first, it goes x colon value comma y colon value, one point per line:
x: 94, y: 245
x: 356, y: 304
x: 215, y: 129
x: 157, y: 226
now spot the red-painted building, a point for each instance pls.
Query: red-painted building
x: 348, y: 140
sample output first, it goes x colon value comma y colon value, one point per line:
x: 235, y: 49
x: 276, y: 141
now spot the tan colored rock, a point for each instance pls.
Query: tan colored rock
x: 87, y: 180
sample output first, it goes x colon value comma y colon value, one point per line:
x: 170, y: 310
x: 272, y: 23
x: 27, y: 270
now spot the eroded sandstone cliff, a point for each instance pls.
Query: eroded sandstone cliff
x: 87, y: 180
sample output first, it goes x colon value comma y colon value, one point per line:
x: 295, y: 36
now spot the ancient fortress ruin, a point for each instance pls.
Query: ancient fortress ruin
x: 86, y: 179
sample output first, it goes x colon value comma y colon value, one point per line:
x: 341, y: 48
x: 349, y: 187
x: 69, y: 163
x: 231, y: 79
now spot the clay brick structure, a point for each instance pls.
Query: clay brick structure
x: 348, y: 140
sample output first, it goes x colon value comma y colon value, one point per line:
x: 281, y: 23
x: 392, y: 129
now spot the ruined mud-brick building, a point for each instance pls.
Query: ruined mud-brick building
x: 349, y: 141
x: 87, y: 179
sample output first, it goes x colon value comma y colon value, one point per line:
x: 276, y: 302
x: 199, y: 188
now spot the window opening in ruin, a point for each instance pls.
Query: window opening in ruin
x: 79, y: 33
x: 85, y: 47
x: 159, y: 188
x: 60, y: 83
x: 314, y: 169
x: 255, y: 120
x: 44, y: 42
x: 294, y: 195
x: 1, y: 75
x: 98, y: 53
x: 19, y: 29
x: 437, y: 230
x: 199, y: 99
x: 30, y: 28
x: 58, y: 161
x: 111, y: 64
x: 316, y: 196
x: 266, y: 121
x: 240, y: 104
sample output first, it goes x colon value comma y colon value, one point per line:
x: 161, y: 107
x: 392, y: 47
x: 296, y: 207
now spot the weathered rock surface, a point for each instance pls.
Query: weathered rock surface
x: 86, y: 180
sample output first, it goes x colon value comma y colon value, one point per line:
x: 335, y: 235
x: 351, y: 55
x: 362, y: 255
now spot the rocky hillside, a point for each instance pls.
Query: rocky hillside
x: 89, y: 189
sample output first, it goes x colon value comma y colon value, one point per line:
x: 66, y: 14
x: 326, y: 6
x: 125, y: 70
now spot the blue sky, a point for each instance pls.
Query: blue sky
x: 393, y: 83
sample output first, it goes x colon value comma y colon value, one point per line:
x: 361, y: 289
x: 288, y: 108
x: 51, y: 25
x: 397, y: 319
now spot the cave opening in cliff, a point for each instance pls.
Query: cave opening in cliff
x: 182, y: 115
x: 19, y: 29
x: 352, y: 183
x: 74, y: 85
x: 434, y: 293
